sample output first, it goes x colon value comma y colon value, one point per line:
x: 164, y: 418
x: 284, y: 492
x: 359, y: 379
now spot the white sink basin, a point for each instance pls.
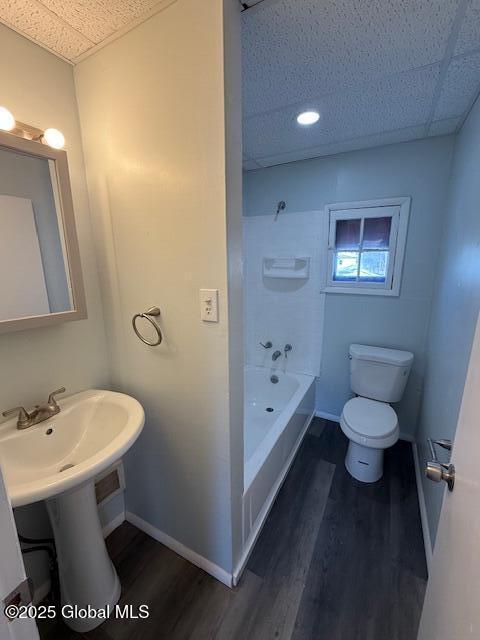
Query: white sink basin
x: 57, y: 461
x: 92, y: 430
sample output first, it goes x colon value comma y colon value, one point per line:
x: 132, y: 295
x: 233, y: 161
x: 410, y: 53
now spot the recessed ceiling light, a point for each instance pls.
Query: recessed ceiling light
x: 308, y: 117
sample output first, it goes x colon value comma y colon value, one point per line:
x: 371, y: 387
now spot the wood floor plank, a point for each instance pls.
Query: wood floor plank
x: 327, y: 595
x: 406, y: 604
x: 317, y: 427
x: 331, y: 445
x: 135, y: 559
x: 204, y: 608
x: 355, y: 587
x: 237, y: 617
x: 295, y: 525
x: 120, y: 538
x: 172, y: 604
x: 287, y: 508
x: 166, y: 572
x: 407, y: 547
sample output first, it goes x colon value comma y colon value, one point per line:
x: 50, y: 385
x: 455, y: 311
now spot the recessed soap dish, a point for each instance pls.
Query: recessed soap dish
x: 286, y: 267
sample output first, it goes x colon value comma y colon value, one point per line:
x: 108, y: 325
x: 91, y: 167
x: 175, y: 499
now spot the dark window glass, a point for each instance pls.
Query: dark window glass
x: 347, y: 234
x: 376, y: 233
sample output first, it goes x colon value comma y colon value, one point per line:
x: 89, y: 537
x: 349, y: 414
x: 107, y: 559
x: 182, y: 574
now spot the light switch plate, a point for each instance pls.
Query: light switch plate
x: 209, y: 305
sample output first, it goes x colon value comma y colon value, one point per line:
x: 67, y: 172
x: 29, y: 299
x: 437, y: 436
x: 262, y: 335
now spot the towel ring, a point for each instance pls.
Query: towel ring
x: 152, y: 312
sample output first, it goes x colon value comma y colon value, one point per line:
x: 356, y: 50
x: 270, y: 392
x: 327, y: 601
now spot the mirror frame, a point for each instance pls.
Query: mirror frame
x: 74, y: 267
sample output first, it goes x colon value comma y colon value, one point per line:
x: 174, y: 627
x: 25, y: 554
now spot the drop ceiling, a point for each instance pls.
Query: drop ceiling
x: 378, y: 71
x: 72, y: 29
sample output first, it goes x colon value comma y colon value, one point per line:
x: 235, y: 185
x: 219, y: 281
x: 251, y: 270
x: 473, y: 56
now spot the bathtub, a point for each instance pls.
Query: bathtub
x: 277, y: 415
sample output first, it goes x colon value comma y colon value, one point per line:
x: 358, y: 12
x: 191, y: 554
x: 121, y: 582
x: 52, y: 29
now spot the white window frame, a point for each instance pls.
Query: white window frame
x: 396, y: 208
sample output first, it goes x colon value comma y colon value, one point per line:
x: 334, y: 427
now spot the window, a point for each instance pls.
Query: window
x: 366, y: 243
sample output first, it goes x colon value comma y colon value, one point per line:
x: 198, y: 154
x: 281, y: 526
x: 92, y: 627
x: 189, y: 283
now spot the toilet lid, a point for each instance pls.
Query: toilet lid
x: 370, y: 418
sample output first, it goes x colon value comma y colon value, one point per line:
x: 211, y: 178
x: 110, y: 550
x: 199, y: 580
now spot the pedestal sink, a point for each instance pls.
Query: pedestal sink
x: 57, y: 461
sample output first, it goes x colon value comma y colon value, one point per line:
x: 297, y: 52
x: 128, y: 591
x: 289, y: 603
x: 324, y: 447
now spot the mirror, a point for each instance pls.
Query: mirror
x: 41, y: 281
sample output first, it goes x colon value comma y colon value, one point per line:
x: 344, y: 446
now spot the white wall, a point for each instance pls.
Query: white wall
x: 455, y: 305
x: 232, y: 73
x: 153, y: 118
x: 39, y: 89
x: 418, y: 169
x: 284, y: 311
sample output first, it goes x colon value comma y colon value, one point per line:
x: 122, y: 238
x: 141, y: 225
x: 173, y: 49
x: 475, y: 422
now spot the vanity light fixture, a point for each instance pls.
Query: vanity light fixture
x: 7, y: 121
x: 54, y: 138
x: 307, y: 118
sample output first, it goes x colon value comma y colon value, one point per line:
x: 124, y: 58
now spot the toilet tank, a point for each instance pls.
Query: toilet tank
x: 378, y: 373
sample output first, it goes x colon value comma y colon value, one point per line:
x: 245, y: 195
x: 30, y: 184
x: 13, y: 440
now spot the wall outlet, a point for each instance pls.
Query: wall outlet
x: 209, y: 305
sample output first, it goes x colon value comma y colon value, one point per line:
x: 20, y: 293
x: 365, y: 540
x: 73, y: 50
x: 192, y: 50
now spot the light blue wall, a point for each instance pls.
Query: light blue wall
x: 455, y: 306
x: 419, y: 169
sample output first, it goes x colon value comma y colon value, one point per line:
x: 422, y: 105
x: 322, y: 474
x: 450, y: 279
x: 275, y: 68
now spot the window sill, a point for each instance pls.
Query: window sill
x: 363, y: 291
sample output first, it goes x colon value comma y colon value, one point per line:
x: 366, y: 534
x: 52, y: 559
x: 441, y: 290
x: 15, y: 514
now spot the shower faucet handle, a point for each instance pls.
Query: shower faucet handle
x: 287, y: 348
x: 267, y: 345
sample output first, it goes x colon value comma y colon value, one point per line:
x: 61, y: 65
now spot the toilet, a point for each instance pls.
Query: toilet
x: 378, y: 376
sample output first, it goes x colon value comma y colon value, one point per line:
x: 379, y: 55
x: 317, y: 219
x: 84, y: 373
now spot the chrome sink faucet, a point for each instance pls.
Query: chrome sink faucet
x: 39, y: 414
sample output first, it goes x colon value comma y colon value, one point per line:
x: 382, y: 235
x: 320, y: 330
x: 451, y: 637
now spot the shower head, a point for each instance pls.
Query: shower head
x: 280, y: 207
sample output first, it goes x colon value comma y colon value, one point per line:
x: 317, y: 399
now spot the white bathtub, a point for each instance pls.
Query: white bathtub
x: 264, y: 427
x: 271, y: 439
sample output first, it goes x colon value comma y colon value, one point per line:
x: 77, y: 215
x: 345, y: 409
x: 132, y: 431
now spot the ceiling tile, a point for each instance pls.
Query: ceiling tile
x: 469, y: 35
x: 444, y: 127
x: 38, y: 23
x: 393, y: 102
x: 380, y: 139
x: 460, y: 87
x: 309, y: 48
x: 98, y: 19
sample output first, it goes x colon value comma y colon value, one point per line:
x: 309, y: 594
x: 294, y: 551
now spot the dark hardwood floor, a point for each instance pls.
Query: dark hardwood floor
x: 336, y: 560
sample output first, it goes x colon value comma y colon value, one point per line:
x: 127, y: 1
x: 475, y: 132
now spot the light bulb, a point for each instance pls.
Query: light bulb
x: 7, y: 121
x: 308, y: 117
x: 54, y: 138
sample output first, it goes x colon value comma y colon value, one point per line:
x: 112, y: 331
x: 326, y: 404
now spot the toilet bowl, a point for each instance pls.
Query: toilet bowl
x: 371, y: 426
x: 378, y: 376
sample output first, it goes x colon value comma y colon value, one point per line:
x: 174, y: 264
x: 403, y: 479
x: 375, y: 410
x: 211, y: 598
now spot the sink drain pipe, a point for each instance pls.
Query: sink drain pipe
x: 38, y: 544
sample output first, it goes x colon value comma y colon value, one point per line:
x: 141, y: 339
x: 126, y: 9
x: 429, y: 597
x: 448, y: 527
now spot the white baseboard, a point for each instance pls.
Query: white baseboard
x: 327, y: 416
x: 427, y: 541
x: 262, y: 516
x: 113, y: 524
x: 187, y: 553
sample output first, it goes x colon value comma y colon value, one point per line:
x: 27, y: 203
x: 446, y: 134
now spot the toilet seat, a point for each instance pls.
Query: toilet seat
x: 370, y: 423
